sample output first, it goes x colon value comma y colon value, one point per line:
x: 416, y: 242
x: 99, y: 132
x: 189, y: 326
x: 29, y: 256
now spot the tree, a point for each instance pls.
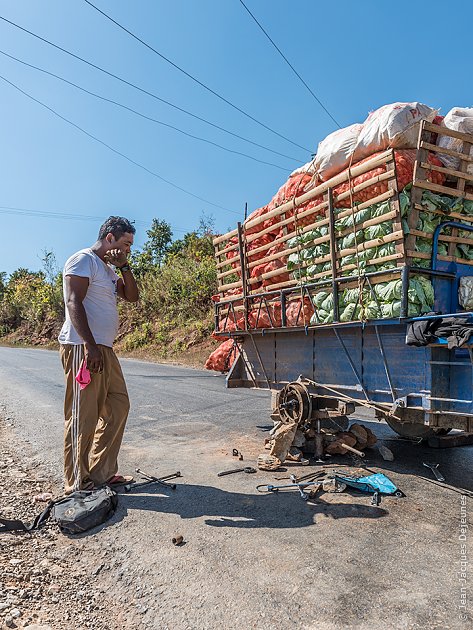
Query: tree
x: 3, y: 282
x: 159, y: 241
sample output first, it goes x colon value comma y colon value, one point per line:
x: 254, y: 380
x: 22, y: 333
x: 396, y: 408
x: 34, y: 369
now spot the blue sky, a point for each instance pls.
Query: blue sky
x: 356, y: 56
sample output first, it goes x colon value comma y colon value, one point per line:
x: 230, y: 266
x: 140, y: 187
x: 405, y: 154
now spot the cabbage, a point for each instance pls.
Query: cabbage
x: 468, y: 206
x: 377, y: 231
x: 379, y: 209
x: 327, y: 304
x: 321, y: 250
x: 325, y: 317
x: 307, y: 253
x: 318, y: 298
x: 427, y: 288
x: 313, y: 269
x: 428, y: 223
x: 389, y: 291
x: 363, y: 215
x: 309, y: 236
x: 351, y: 296
x: 371, y: 311
x: 386, y: 250
x: 392, y: 309
x: 350, y: 240
x: 350, y: 312
x: 405, y: 202
x: 348, y: 260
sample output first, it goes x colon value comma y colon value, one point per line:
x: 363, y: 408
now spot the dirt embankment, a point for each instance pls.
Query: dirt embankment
x: 47, y: 579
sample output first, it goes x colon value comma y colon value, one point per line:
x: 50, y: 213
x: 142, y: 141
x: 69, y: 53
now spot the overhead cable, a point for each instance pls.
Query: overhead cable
x: 190, y: 76
x: 144, y: 91
x: 134, y: 111
x: 167, y: 181
x: 288, y: 63
x: 46, y: 214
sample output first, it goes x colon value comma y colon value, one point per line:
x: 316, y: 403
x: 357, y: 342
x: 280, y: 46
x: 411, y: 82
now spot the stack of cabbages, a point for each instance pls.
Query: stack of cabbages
x: 382, y: 300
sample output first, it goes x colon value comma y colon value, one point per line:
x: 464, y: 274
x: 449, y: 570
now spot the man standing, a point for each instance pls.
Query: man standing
x: 96, y: 413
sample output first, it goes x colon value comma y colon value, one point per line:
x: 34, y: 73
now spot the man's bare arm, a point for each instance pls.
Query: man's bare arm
x: 76, y: 290
x: 127, y: 288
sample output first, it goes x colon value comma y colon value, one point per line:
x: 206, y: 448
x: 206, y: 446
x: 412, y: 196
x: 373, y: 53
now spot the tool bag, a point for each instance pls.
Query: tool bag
x: 75, y: 513
x: 84, y: 509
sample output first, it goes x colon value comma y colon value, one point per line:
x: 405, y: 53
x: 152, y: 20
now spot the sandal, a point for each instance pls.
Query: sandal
x: 120, y: 480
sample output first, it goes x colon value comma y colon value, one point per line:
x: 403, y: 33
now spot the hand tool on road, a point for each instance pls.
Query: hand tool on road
x: 150, y: 480
x: 247, y: 469
x: 271, y: 488
x: 237, y: 453
x: 435, y: 470
x: 304, y: 496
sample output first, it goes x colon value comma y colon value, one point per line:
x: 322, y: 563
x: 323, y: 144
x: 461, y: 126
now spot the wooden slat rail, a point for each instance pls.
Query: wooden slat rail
x: 445, y: 131
x: 442, y: 150
x: 341, y: 215
x: 351, y: 173
x: 224, y: 237
x: 337, y: 199
x: 444, y: 237
x: 449, y: 171
x: 443, y: 190
x: 224, y: 263
x: 463, y: 261
x: 447, y: 215
x: 325, y: 258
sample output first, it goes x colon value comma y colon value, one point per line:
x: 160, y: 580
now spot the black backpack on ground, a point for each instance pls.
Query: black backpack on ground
x: 74, y: 513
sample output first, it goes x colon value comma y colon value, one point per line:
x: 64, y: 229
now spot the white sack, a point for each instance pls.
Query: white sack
x: 392, y: 126
x: 335, y: 151
x: 458, y: 119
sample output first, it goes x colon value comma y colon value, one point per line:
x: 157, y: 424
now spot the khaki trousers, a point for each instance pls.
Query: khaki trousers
x: 95, y: 419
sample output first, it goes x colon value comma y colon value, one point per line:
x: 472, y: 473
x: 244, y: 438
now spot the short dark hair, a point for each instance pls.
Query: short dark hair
x: 118, y: 226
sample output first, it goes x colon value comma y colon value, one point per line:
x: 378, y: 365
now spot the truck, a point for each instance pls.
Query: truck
x: 321, y: 356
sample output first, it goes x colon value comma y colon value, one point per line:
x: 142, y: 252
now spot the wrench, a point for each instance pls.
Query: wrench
x: 304, y: 496
x: 435, y: 470
x: 247, y: 469
x: 151, y: 480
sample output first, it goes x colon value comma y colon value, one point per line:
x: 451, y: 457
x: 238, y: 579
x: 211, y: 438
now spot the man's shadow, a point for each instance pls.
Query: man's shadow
x: 222, y: 508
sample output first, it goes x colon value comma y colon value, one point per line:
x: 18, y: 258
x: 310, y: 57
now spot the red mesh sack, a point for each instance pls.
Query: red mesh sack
x: 297, y: 315
x: 405, y: 159
x: 222, y: 359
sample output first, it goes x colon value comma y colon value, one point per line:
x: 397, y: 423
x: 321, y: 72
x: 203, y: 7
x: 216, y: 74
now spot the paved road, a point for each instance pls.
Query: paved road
x: 254, y: 561
x: 176, y: 402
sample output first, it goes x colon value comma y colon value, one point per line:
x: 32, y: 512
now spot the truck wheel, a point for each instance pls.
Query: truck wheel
x: 413, y: 429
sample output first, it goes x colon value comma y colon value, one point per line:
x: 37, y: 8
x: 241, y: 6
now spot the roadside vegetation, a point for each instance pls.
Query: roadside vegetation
x: 172, y: 321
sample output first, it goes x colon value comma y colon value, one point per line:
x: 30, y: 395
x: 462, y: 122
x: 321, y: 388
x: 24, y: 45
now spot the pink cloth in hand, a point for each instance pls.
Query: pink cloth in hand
x: 83, y: 375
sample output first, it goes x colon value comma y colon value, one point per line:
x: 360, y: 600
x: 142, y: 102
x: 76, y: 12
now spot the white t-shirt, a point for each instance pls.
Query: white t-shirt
x: 100, y: 302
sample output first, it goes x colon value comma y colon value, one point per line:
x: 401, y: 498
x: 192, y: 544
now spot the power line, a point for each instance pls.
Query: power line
x: 134, y: 111
x: 190, y: 76
x: 46, y: 214
x: 144, y: 91
x: 288, y: 63
x: 115, y: 150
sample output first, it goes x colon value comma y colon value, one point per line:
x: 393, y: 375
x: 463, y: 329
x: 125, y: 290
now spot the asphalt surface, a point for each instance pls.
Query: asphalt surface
x: 252, y: 560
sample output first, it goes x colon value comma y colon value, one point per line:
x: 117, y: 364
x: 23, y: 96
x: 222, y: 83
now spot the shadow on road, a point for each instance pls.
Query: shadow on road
x: 238, y: 510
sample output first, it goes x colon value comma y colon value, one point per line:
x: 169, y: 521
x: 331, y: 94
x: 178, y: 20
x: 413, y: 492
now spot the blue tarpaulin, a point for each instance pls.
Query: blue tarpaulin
x: 372, y: 483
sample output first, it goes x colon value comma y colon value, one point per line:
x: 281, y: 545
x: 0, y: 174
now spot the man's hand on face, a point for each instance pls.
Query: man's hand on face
x: 94, y: 358
x: 116, y: 257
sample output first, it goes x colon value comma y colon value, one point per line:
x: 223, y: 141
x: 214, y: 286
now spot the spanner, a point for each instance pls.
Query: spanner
x: 247, y: 469
x: 304, y: 496
x: 435, y: 470
x: 150, y: 480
